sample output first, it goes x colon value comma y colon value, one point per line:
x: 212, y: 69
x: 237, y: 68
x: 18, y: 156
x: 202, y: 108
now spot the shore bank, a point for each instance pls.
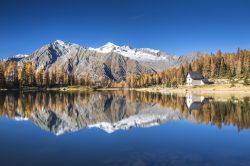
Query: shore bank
x: 206, y: 90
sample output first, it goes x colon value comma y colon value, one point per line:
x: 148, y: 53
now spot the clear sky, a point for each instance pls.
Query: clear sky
x: 174, y: 26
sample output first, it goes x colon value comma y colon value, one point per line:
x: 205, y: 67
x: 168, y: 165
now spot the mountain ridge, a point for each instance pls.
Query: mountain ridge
x: 109, y: 62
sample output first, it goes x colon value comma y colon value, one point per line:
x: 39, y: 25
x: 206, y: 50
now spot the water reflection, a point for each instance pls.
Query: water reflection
x: 60, y: 112
x: 195, y: 102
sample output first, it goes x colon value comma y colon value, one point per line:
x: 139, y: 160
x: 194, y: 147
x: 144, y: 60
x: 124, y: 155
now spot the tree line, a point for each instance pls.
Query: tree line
x: 12, y: 76
x: 218, y: 65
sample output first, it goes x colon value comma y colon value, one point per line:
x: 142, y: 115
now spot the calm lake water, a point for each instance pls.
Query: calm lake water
x: 123, y: 128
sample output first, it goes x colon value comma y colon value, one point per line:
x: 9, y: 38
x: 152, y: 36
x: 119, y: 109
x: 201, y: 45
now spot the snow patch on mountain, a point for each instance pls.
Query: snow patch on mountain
x: 17, y: 57
x: 65, y: 45
x: 108, y: 47
x: 141, y: 54
x: 21, y: 56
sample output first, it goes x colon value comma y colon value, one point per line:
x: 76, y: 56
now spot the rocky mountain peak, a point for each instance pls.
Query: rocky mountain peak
x: 106, y: 48
x: 62, y: 44
x: 59, y: 42
x: 109, y: 44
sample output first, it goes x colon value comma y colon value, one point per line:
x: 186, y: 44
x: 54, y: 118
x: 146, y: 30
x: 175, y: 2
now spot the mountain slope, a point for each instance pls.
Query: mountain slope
x: 106, y: 62
x: 82, y: 61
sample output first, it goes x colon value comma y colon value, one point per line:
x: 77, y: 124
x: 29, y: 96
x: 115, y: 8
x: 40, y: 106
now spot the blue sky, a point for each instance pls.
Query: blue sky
x: 174, y: 26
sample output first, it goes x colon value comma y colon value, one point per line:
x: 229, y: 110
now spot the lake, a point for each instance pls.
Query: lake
x: 106, y: 128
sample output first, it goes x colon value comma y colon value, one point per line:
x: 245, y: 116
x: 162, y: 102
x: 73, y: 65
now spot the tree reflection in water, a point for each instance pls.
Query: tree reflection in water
x: 61, y: 112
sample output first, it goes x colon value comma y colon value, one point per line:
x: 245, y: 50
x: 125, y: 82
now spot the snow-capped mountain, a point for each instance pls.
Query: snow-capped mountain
x: 82, y: 61
x: 140, y: 54
x: 109, y: 61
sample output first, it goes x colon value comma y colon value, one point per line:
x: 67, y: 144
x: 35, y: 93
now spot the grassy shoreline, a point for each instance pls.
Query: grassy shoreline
x: 205, y: 89
x: 66, y: 88
x: 223, y: 91
x: 214, y: 88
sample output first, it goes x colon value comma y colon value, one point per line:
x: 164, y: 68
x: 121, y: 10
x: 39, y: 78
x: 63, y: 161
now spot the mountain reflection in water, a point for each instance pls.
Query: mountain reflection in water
x: 60, y: 112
